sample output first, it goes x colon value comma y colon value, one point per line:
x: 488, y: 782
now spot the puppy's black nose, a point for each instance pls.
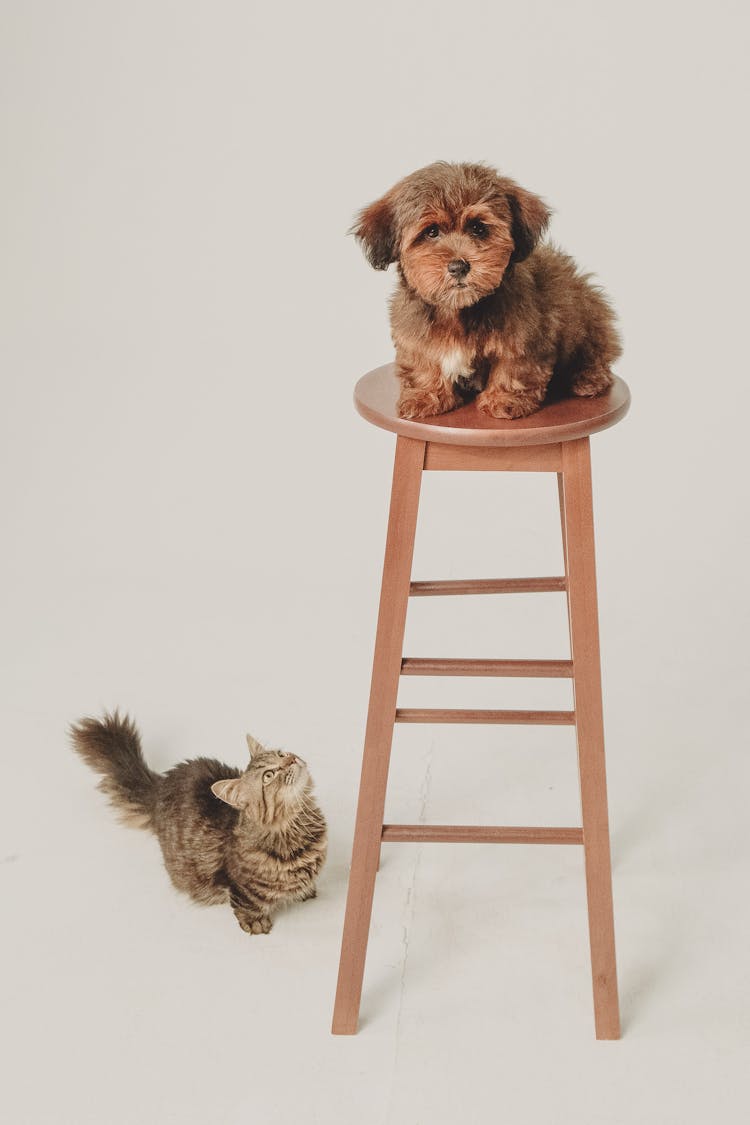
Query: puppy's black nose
x: 458, y: 268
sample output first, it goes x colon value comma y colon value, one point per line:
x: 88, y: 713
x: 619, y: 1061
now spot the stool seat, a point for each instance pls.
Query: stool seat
x: 565, y: 419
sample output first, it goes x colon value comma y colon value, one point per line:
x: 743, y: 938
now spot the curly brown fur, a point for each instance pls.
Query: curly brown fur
x: 254, y: 839
x: 482, y: 308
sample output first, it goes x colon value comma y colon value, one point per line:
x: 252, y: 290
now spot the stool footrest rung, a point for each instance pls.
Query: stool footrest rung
x: 542, y: 669
x: 514, y: 718
x: 488, y: 586
x: 478, y: 834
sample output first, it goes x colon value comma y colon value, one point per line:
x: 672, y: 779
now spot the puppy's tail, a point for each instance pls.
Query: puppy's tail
x: 112, y: 747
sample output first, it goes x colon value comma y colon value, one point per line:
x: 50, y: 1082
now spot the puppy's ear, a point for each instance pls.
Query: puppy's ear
x: 375, y: 229
x: 530, y: 218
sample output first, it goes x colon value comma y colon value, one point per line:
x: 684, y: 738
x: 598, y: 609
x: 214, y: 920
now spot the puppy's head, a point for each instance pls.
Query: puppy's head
x: 454, y: 229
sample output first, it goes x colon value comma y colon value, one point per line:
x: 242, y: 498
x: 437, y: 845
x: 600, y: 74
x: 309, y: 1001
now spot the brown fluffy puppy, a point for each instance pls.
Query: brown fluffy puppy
x: 481, y: 306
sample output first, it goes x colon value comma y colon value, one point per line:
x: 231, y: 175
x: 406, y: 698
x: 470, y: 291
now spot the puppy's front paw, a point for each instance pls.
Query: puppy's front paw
x: 507, y: 404
x: 591, y: 383
x: 416, y: 404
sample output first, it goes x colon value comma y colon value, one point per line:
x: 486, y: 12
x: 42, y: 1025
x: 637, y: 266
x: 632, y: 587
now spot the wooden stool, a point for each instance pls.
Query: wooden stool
x: 555, y: 439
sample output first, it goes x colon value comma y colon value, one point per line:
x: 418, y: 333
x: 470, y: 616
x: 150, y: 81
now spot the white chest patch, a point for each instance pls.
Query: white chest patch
x: 455, y: 364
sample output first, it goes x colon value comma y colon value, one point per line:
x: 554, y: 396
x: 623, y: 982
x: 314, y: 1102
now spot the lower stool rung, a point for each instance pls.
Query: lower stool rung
x: 487, y: 586
x: 477, y: 834
x: 518, y: 669
x: 515, y: 718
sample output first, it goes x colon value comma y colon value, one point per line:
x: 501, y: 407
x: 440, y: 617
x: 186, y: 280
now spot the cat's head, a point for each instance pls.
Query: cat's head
x: 271, y: 789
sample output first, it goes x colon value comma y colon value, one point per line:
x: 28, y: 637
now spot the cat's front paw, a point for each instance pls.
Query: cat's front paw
x: 261, y: 925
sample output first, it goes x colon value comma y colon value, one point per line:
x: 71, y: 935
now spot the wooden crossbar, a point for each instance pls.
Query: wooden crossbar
x: 476, y: 834
x: 487, y: 586
x: 540, y: 669
x: 513, y: 718
x: 519, y: 459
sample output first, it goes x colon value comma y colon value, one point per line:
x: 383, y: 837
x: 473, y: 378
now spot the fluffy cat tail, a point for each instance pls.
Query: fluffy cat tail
x: 112, y: 747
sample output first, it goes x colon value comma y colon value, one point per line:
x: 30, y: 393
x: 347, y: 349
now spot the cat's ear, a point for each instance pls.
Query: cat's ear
x: 253, y: 745
x: 230, y: 791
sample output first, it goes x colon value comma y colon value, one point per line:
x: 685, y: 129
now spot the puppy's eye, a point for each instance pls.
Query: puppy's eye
x: 432, y: 231
x: 268, y: 775
x: 477, y: 228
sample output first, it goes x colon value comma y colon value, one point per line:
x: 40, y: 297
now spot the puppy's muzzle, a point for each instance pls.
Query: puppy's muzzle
x: 458, y: 268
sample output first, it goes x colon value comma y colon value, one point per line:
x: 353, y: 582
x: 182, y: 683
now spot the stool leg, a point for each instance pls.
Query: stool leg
x: 561, y: 497
x: 584, y: 633
x: 386, y: 670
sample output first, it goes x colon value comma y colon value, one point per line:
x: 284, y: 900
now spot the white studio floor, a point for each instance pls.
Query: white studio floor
x: 124, y: 1003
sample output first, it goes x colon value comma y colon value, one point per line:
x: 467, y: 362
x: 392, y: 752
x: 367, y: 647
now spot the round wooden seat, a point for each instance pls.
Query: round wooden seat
x: 376, y: 393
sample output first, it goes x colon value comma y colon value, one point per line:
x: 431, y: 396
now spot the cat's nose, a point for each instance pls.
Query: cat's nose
x: 288, y: 759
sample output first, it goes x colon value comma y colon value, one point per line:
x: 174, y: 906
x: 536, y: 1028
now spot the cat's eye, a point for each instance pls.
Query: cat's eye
x: 268, y: 775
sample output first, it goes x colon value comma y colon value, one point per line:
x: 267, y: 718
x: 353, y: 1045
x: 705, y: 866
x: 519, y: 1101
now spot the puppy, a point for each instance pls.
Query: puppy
x: 482, y: 307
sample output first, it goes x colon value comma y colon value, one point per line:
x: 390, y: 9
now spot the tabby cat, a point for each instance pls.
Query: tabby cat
x: 254, y: 839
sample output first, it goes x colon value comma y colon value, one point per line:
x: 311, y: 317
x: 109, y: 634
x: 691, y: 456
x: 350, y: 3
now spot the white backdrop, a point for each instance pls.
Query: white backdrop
x: 194, y: 519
